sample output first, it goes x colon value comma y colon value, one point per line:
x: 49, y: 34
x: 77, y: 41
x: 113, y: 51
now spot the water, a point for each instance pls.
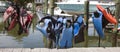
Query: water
x: 35, y: 39
x: 30, y: 41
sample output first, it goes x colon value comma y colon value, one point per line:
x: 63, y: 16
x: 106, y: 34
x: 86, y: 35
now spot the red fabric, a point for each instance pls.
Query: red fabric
x: 108, y: 16
x: 12, y: 24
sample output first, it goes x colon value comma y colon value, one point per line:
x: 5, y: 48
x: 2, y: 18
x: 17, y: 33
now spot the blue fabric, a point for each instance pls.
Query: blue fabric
x: 77, y: 25
x: 66, y: 38
x: 98, y: 24
x: 60, y: 19
x: 58, y: 28
x: 80, y: 19
x: 43, y: 29
x: 76, y: 29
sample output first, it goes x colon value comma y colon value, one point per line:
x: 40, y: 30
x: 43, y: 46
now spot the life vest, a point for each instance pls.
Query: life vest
x: 79, y: 30
x: 77, y: 25
x: 43, y: 28
x: 97, y: 21
x: 108, y: 16
x: 58, y: 29
x: 66, y: 36
x: 9, y: 11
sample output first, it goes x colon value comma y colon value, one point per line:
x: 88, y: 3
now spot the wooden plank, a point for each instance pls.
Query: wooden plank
x: 91, y: 49
x: 1, y: 49
x: 7, y: 50
x: 74, y: 50
x: 45, y: 50
x: 95, y: 49
x: 88, y: 50
x: 17, y: 49
x: 113, y: 49
x: 26, y: 50
x: 79, y: 50
x: 62, y: 50
x: 36, y: 50
x: 53, y: 50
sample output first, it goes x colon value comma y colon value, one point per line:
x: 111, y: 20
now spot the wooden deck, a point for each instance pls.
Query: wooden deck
x: 90, y: 49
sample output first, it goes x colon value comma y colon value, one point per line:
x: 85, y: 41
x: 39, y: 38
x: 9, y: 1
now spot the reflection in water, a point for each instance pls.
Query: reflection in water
x: 9, y: 42
x: 11, y: 39
x: 34, y: 39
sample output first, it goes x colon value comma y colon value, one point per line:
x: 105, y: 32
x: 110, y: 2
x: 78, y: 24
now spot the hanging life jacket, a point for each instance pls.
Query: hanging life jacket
x: 66, y: 36
x: 97, y: 21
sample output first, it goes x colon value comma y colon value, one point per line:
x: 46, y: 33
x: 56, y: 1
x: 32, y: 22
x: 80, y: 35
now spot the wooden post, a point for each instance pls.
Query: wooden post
x: 34, y: 7
x: 86, y: 16
x: 99, y: 42
x: 52, y: 6
x: 117, y: 15
x: 46, y: 7
x: 94, y: 33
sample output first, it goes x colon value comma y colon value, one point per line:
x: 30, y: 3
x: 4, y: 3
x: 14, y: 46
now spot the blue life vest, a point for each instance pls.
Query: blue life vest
x: 58, y: 29
x: 43, y: 28
x: 77, y: 25
x: 97, y: 21
x: 66, y: 37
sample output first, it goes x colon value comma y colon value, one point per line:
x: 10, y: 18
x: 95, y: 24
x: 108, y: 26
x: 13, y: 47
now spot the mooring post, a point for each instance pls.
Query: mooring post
x: 99, y: 41
x: 86, y: 17
x: 46, y: 7
x: 52, y: 6
x: 117, y: 15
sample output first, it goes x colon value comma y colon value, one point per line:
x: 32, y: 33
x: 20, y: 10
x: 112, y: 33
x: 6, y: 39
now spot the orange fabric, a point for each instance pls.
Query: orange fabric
x: 108, y: 16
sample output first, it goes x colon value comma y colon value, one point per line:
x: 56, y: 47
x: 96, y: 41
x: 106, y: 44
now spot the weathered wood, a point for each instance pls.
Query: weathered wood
x: 45, y: 50
x: 36, y: 50
x: 52, y: 6
x: 73, y: 50
x: 113, y: 49
x: 62, y: 50
x: 1, y: 49
x: 17, y: 50
x: 117, y: 15
x: 53, y: 50
x: 46, y: 7
x: 90, y: 49
x: 26, y: 50
x: 86, y: 16
x: 7, y: 50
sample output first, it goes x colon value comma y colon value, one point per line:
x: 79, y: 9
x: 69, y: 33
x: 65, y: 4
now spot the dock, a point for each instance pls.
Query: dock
x: 90, y: 49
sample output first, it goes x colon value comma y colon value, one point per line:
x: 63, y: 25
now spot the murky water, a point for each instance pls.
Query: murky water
x: 35, y: 39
